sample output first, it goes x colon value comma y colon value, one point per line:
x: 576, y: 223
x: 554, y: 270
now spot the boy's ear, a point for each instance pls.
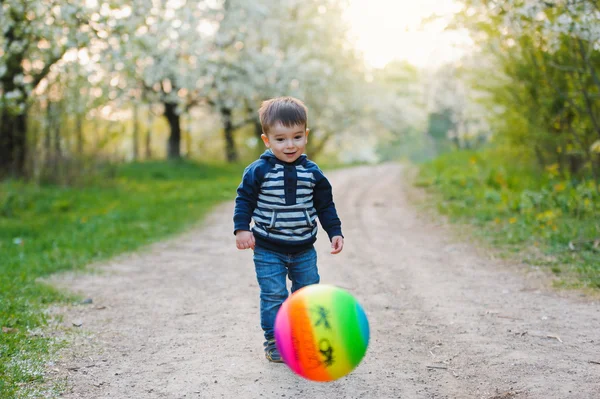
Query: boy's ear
x: 307, y: 132
x: 265, y: 140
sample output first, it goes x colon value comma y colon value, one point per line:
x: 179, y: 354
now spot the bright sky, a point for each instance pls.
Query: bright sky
x: 391, y: 29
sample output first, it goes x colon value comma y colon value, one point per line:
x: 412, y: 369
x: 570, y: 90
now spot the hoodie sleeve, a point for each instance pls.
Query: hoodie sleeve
x: 247, y: 197
x: 323, y: 201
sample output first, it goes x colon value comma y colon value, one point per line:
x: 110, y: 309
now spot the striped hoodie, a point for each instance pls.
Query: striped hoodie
x: 284, y: 200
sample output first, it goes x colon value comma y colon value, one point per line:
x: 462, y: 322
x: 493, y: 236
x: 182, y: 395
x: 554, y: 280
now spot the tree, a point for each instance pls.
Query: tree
x: 160, y: 49
x: 269, y: 48
x: 35, y: 36
x: 543, y: 78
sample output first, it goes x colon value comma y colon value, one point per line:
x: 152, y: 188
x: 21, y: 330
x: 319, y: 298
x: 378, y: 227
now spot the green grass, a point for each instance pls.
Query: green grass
x: 48, y: 229
x: 537, y: 215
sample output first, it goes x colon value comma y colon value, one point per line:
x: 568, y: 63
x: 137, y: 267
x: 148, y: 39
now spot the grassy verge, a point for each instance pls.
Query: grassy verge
x: 522, y: 211
x: 46, y: 229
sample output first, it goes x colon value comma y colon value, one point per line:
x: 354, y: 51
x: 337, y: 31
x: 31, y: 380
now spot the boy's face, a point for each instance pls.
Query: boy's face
x: 287, y: 143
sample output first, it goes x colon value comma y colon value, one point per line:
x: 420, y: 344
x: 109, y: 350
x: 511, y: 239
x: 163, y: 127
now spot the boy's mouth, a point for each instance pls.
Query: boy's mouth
x: 289, y: 154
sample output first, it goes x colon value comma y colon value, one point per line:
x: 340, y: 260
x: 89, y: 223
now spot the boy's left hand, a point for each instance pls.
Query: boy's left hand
x: 337, y: 244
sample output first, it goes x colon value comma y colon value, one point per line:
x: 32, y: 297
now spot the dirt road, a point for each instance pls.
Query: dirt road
x: 180, y: 319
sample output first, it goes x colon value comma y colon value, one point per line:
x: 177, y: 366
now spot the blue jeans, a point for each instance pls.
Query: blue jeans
x: 271, y: 271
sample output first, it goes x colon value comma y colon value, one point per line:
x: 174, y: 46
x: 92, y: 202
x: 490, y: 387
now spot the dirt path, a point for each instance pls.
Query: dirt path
x: 180, y: 320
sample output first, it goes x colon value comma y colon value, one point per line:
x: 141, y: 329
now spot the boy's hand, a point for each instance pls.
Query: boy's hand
x: 337, y: 244
x: 244, y: 239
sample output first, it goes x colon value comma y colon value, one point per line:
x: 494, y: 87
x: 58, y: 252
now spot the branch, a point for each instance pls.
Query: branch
x: 317, y: 150
x: 236, y: 68
x: 564, y: 67
x: 588, y: 155
x: 44, y: 72
x: 587, y: 62
x: 243, y: 123
x: 53, y: 60
x: 556, y: 89
x: 590, y: 110
x: 192, y: 103
x: 588, y: 102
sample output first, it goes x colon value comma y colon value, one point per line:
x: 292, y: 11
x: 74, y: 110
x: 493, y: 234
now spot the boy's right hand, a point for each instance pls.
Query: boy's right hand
x: 244, y: 239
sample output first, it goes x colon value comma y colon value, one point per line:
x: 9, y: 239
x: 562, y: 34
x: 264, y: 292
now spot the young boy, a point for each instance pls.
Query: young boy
x: 284, y: 193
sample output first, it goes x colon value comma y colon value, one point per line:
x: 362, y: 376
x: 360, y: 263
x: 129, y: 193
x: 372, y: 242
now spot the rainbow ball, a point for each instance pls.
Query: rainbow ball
x: 322, y: 332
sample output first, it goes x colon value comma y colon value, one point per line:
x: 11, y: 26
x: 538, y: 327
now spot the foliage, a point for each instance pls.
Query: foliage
x: 539, y: 63
x: 519, y: 207
x: 264, y: 49
x: 456, y: 117
x: 35, y: 35
x: 47, y: 229
x: 176, y: 57
x: 398, y: 112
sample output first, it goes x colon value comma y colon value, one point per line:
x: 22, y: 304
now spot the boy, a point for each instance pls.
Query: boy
x: 284, y: 193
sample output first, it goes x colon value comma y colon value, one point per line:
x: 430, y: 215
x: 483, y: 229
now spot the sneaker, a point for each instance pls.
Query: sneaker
x: 271, y: 352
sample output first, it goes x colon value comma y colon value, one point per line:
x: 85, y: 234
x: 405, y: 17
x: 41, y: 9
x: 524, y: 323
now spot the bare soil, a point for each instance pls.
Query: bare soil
x: 180, y: 319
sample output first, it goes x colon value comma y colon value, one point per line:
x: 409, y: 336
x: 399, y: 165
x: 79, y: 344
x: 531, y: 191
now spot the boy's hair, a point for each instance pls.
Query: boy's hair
x: 288, y: 111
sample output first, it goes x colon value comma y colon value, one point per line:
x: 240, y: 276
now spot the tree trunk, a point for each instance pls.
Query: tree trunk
x: 316, y: 148
x: 230, y: 150
x: 258, y: 132
x: 136, y: 132
x: 96, y: 130
x: 174, y: 143
x: 188, y: 137
x: 13, y: 125
x: 149, y: 135
x: 257, y: 128
x: 13, y: 129
x: 58, y: 153
x: 596, y: 172
x: 79, y: 134
x: 48, y: 160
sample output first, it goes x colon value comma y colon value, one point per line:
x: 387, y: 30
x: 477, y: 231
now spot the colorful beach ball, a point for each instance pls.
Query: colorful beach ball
x: 322, y: 332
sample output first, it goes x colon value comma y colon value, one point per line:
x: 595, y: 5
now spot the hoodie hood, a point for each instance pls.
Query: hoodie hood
x: 272, y: 159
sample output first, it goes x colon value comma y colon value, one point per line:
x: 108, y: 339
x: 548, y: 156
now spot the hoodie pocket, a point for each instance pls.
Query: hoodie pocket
x: 290, y: 219
x: 273, y: 221
x: 308, y: 222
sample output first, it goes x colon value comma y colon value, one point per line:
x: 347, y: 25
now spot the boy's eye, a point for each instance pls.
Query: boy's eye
x: 279, y: 139
x: 298, y: 137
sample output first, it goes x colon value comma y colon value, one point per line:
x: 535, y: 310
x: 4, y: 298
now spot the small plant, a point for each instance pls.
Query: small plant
x: 520, y: 208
